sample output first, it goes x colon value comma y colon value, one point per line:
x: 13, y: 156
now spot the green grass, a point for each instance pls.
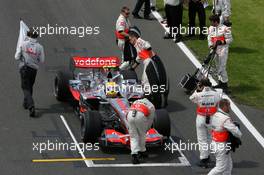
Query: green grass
x: 246, y: 62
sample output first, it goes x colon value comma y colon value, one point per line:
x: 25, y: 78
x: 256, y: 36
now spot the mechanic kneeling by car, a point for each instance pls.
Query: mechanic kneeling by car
x: 140, y: 118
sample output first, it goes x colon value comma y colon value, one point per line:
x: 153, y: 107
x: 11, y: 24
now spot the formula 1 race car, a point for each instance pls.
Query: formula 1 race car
x: 101, y: 96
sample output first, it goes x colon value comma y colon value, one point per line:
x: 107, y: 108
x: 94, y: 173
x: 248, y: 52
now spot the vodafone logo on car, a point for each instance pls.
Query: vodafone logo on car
x: 96, y: 62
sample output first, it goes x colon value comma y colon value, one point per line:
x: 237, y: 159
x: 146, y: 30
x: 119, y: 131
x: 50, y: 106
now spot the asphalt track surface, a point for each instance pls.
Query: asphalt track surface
x: 18, y: 131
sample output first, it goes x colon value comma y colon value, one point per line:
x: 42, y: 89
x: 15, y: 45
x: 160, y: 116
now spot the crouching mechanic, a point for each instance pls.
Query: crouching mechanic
x: 122, y: 29
x: 222, y: 126
x: 144, y: 53
x: 219, y: 38
x: 140, y: 118
x: 30, y: 54
x: 207, y: 100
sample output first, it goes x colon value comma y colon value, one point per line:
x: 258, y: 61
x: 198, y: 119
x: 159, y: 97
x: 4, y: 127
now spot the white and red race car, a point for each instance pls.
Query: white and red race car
x: 102, y: 95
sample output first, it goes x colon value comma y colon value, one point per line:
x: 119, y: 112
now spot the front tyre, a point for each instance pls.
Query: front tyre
x: 91, y: 127
x: 162, y: 122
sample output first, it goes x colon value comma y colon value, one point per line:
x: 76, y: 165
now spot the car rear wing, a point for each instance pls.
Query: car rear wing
x: 94, y: 62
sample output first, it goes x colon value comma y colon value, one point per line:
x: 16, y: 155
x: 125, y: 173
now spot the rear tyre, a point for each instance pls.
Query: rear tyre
x: 61, y: 85
x: 162, y: 122
x: 91, y: 127
x: 156, y: 99
x: 166, y: 94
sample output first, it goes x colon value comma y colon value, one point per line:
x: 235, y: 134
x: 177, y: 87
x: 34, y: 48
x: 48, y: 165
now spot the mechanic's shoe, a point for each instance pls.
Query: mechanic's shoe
x: 164, y: 21
x: 178, y: 39
x: 204, y: 163
x: 32, y: 112
x: 225, y: 88
x: 135, y: 159
x: 153, y: 8
x: 136, y: 16
x: 143, y: 154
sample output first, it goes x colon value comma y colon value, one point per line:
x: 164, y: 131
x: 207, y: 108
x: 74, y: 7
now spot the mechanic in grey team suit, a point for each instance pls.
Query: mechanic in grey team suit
x: 30, y: 54
x: 219, y: 38
x: 207, y: 100
x: 222, y: 127
x: 222, y: 8
x: 122, y: 29
x: 140, y: 118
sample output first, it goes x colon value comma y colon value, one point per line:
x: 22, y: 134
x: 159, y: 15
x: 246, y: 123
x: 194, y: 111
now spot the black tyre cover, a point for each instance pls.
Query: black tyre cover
x: 156, y: 74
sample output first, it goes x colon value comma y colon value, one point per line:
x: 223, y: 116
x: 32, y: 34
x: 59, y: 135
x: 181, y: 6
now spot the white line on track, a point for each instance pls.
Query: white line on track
x: 88, y: 163
x: 197, y: 64
x: 183, y: 162
x: 126, y: 165
x: 183, y: 159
